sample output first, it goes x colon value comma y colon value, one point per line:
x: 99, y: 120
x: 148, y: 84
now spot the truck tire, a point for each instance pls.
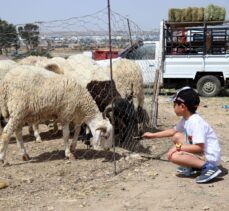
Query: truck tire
x: 208, y: 86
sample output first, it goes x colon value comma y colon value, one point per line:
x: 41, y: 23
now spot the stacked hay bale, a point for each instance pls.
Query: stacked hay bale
x: 214, y: 13
x: 189, y: 14
x: 197, y: 14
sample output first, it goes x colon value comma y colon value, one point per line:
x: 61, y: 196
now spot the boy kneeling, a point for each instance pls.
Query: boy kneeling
x: 195, y: 143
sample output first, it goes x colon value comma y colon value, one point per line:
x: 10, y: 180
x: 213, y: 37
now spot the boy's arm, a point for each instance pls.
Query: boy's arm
x: 161, y: 134
x: 193, y: 148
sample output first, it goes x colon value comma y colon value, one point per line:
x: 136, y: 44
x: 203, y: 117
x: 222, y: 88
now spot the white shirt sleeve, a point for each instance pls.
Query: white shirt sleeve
x: 180, y: 125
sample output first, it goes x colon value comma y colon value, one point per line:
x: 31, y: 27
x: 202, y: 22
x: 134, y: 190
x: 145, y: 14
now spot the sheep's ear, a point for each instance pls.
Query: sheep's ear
x: 54, y: 68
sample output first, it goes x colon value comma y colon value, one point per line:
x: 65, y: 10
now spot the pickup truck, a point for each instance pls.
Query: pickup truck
x: 187, y: 54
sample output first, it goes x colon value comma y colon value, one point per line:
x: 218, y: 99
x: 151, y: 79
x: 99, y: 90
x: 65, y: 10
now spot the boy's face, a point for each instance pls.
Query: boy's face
x: 180, y: 109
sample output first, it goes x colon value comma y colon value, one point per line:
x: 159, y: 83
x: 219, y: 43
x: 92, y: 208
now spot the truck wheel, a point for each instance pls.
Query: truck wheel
x: 208, y: 86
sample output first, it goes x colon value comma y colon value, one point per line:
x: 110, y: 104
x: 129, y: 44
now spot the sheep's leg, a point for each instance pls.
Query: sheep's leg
x: 1, y: 129
x: 54, y: 124
x: 3, y: 145
x: 75, y: 139
x: 66, y: 133
x: 2, y: 123
x: 20, y: 144
x: 31, y: 131
x: 55, y: 127
x: 1, y: 119
x: 36, y: 132
x: 5, y: 137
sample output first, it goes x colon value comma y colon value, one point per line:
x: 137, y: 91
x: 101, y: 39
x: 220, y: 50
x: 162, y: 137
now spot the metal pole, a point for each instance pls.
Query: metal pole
x: 128, y: 22
x: 111, y: 74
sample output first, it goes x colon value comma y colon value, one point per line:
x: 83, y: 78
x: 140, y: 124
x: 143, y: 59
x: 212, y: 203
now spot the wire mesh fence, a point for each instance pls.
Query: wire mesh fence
x: 79, y: 49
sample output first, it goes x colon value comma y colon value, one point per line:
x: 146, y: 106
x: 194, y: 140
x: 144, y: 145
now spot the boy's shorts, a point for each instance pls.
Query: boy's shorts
x: 186, y: 141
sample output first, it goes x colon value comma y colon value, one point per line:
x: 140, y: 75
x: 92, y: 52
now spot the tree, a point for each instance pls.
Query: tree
x: 30, y: 34
x: 8, y: 37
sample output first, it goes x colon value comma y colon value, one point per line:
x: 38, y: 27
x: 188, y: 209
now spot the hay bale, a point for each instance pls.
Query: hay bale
x: 197, y: 14
x: 222, y: 14
x: 182, y: 15
x: 200, y: 14
x: 214, y: 13
x: 171, y: 15
x: 188, y: 14
x: 194, y: 14
x: 175, y: 15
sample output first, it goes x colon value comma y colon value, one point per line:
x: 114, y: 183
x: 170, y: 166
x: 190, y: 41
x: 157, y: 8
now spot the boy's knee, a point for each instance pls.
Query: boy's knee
x: 170, y: 156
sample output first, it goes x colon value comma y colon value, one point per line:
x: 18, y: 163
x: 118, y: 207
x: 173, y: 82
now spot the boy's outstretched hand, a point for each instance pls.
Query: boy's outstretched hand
x: 148, y: 135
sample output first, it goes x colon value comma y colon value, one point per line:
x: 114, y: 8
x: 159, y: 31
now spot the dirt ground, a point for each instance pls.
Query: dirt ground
x: 49, y: 182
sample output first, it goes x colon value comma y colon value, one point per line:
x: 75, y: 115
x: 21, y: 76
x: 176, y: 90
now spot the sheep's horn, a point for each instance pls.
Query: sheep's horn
x: 102, y: 128
x: 107, y: 110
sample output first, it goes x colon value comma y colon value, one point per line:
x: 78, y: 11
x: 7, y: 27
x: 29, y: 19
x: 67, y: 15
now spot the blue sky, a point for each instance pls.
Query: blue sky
x: 146, y: 13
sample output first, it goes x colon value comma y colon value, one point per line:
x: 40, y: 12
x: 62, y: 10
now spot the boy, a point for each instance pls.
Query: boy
x: 195, y: 143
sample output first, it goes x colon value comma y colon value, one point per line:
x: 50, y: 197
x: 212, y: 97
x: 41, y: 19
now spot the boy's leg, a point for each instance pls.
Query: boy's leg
x: 187, y: 159
x: 209, y: 171
x: 180, y: 138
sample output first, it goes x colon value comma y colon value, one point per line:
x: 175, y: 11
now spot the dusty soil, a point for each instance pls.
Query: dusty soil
x: 49, y: 182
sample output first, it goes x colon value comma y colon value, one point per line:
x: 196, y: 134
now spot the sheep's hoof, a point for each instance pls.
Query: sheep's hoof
x: 55, y: 130
x: 71, y: 157
x: 72, y: 150
x: 25, y: 157
x: 5, y: 164
x: 31, y: 131
x: 38, y: 141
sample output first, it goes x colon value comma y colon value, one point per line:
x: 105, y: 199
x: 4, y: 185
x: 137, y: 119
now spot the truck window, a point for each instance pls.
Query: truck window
x: 143, y: 52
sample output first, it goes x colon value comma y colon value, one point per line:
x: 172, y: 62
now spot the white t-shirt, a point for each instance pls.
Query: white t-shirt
x: 198, y: 131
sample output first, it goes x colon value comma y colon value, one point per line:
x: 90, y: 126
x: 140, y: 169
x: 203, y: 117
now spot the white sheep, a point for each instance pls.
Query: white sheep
x: 84, y: 69
x: 128, y: 80
x: 32, y: 60
x: 126, y: 75
x: 23, y: 100
x: 5, y: 67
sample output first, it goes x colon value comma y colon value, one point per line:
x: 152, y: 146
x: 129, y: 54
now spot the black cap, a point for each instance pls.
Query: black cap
x: 187, y: 96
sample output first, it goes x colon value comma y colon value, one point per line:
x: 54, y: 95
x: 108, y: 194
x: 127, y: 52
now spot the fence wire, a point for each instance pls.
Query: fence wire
x: 83, y: 43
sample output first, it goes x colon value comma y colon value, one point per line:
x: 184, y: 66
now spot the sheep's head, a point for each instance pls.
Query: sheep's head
x: 103, y: 136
